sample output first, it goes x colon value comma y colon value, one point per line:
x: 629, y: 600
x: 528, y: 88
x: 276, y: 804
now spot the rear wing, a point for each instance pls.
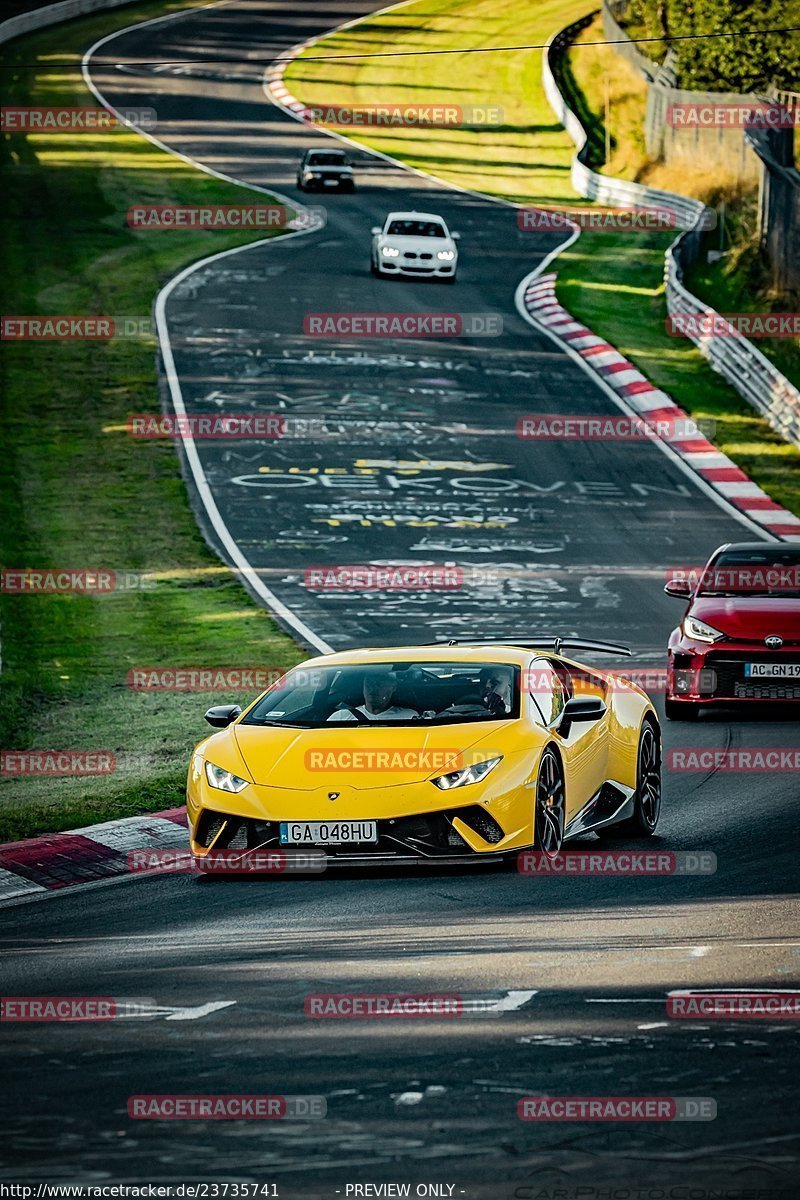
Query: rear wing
x: 546, y: 641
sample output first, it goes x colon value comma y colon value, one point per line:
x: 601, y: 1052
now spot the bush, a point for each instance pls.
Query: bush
x: 745, y: 63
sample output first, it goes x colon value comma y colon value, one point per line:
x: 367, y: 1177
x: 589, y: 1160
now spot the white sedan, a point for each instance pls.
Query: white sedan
x: 414, y: 243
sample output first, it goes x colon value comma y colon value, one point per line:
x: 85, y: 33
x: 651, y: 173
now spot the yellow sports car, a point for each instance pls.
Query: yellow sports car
x: 437, y: 752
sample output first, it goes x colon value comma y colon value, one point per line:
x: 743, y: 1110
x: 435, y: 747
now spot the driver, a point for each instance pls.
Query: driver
x: 379, y: 690
x: 496, y: 688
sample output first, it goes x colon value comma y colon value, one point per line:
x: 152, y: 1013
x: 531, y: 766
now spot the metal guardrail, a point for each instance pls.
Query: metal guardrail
x: 734, y: 357
x: 737, y: 359
x: 613, y: 30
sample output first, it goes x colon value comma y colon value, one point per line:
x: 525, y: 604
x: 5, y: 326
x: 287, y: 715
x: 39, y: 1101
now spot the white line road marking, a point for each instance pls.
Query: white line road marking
x: 175, y: 1013
x: 202, y: 1010
x: 220, y: 528
x: 512, y: 1001
x: 508, y: 1003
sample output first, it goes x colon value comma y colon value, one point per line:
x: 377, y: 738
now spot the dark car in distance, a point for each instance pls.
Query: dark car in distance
x: 321, y: 170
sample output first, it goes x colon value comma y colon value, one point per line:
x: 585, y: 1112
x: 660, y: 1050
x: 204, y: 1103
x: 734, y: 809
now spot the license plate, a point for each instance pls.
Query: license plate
x: 331, y: 183
x: 764, y: 670
x: 327, y: 833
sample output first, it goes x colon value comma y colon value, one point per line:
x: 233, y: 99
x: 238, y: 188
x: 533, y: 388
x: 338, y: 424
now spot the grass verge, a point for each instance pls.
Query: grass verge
x: 76, y: 490
x: 613, y: 282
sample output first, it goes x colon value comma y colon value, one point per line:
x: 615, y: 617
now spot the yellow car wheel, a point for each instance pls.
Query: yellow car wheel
x: 550, y: 804
x: 647, y: 797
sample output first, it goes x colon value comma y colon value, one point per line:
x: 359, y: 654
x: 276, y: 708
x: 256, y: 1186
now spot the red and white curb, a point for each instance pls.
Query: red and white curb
x: 88, y: 855
x: 273, y: 83
x: 639, y: 394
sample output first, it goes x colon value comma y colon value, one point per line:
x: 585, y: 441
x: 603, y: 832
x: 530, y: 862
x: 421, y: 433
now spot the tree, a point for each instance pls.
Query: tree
x: 748, y: 61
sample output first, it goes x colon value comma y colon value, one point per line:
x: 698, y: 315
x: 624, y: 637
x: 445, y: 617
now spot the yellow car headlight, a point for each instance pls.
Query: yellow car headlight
x: 226, y: 781
x: 474, y: 774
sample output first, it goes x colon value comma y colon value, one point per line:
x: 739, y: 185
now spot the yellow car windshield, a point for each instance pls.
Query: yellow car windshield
x: 399, y: 693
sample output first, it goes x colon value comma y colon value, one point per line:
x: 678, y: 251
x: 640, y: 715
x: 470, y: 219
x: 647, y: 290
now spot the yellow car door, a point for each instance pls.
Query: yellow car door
x: 583, y: 747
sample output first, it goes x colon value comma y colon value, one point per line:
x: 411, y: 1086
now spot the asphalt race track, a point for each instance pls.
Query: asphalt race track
x: 410, y: 455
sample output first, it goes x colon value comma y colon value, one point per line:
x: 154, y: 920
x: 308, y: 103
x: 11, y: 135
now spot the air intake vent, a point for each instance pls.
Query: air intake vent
x: 210, y: 825
x: 482, y: 823
x: 239, y: 839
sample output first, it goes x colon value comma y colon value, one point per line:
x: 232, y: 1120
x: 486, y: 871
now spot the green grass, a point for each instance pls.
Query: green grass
x: 740, y: 282
x: 631, y: 269
x: 526, y: 157
x: 612, y: 282
x: 615, y: 286
x: 76, y: 490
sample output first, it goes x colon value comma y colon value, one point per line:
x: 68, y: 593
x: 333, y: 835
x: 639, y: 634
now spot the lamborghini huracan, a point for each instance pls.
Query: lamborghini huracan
x: 440, y: 752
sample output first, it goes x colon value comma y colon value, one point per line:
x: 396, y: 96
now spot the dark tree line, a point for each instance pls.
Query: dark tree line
x: 736, y: 64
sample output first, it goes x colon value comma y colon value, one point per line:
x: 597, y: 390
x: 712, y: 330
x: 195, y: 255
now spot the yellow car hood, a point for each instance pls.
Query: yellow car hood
x: 360, y: 756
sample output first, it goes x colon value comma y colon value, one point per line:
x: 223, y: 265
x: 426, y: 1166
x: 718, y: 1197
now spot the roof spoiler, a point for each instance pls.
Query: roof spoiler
x: 553, y: 642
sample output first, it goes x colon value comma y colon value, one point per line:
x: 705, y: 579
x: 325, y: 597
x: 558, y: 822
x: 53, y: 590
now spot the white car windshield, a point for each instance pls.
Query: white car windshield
x: 411, y: 228
x: 401, y: 693
x: 329, y: 159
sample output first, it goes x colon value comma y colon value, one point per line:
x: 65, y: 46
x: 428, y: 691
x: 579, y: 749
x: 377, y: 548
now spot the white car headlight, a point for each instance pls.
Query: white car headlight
x: 700, y: 631
x: 226, y: 781
x: 446, y: 255
x: 473, y: 774
x: 389, y: 252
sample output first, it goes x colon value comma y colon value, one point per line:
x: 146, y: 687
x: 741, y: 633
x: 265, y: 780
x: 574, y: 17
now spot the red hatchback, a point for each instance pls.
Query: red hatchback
x: 739, y: 640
